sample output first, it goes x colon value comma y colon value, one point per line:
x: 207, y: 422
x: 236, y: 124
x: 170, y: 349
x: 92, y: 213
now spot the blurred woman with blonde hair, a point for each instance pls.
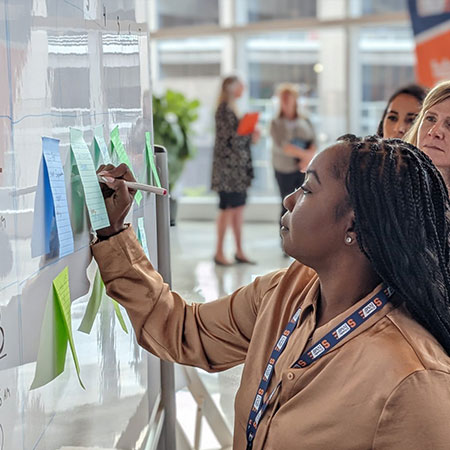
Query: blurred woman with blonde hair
x: 293, y: 142
x: 431, y: 130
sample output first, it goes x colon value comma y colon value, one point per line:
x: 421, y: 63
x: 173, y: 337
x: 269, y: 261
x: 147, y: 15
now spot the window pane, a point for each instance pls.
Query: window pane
x: 363, y: 7
x: 189, y: 58
x: 273, y: 59
x: 174, y: 13
x: 193, y: 67
x: 260, y: 10
x: 387, y: 63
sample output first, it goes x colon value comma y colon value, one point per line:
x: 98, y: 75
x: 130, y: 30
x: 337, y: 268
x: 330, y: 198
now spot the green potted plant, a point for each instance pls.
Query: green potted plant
x: 173, y: 116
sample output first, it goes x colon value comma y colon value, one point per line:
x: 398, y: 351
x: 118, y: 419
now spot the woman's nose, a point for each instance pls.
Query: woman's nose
x: 289, y: 200
x: 436, y: 130
x: 401, y: 130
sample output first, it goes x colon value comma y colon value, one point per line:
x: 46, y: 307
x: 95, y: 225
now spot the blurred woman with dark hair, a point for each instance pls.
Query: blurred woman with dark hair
x: 232, y: 170
x: 401, y: 110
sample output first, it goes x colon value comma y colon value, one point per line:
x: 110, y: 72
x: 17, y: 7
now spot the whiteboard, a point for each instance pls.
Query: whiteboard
x: 68, y: 63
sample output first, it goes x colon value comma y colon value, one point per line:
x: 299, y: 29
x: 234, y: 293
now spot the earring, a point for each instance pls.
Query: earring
x: 348, y: 240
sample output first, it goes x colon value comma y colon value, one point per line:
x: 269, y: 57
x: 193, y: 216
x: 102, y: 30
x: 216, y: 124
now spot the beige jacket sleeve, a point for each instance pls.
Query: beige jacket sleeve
x: 214, y: 336
x: 415, y: 416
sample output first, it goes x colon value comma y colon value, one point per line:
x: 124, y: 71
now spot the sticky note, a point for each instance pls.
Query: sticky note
x: 51, y: 357
x: 62, y: 291
x: 51, y: 209
x: 119, y: 316
x: 101, y: 153
x: 142, y: 238
x: 118, y: 147
x: 92, y: 192
x: 93, y: 305
x: 95, y: 300
x: 150, y: 158
x: 56, y: 331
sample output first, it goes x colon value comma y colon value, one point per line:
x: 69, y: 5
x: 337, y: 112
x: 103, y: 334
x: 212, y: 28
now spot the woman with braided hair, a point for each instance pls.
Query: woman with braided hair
x: 348, y: 348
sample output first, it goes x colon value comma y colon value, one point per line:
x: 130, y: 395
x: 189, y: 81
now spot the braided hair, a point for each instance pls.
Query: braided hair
x: 402, y: 224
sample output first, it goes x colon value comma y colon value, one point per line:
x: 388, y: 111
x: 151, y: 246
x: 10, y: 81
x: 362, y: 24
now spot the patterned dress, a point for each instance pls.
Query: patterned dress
x: 232, y: 162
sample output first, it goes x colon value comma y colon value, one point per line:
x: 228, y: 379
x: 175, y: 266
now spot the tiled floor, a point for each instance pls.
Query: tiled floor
x: 198, y: 279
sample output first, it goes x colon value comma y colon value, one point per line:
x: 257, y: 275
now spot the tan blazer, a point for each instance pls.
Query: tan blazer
x: 385, y: 386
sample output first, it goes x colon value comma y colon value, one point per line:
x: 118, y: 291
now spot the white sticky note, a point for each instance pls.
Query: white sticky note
x: 100, y: 146
x: 142, y: 236
x: 92, y: 192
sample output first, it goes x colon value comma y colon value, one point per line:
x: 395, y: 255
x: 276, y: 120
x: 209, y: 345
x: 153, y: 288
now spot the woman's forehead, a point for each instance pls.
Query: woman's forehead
x: 333, y: 160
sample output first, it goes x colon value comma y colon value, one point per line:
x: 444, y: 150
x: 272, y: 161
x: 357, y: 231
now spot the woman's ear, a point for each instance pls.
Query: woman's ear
x: 350, y: 234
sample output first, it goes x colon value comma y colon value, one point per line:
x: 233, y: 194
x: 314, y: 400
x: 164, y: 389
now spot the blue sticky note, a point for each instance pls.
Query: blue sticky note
x: 51, y: 203
x: 43, y: 214
x: 142, y: 237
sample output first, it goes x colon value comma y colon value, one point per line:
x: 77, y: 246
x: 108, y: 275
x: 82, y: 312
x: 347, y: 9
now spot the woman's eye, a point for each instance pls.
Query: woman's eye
x: 430, y: 118
x: 392, y: 118
x: 305, y: 190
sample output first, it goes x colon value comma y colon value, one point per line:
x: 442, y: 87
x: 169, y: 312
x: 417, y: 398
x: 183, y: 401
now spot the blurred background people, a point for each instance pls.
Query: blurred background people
x: 431, y: 130
x: 293, y: 142
x: 232, y: 170
x: 401, y: 111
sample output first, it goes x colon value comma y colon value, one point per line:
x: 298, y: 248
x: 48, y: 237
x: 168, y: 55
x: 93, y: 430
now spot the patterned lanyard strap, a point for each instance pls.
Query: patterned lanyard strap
x: 313, y: 353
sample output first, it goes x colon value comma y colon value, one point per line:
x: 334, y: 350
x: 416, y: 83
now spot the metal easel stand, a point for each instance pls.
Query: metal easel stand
x: 165, y: 432
x: 207, y: 408
x: 167, y: 417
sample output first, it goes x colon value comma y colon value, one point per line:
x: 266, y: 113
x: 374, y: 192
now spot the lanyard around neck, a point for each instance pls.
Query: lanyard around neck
x: 312, y: 354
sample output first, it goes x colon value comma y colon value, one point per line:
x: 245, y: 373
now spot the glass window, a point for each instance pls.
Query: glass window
x: 366, y: 7
x: 278, y: 58
x: 386, y: 56
x: 273, y: 59
x: 189, y: 58
x: 187, y: 12
x: 261, y: 10
x: 193, y: 67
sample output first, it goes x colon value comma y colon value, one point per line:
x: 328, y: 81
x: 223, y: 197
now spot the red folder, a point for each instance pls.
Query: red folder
x: 248, y: 123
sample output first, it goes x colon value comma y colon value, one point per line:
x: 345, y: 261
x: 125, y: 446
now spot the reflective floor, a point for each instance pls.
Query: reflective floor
x: 196, y: 277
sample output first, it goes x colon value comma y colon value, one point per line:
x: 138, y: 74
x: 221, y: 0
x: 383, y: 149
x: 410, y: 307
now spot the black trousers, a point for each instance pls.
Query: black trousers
x: 287, y: 183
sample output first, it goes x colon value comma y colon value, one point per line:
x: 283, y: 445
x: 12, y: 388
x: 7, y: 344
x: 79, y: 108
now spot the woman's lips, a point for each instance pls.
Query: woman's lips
x: 434, y: 147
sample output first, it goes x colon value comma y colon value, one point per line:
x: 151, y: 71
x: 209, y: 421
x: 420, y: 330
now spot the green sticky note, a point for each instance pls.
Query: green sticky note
x: 52, y: 351
x: 150, y: 157
x: 62, y: 292
x: 92, y: 192
x: 95, y: 300
x: 77, y: 217
x: 101, y: 153
x: 93, y: 305
x: 56, y: 331
x: 119, y: 316
x: 142, y: 238
x: 118, y: 147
